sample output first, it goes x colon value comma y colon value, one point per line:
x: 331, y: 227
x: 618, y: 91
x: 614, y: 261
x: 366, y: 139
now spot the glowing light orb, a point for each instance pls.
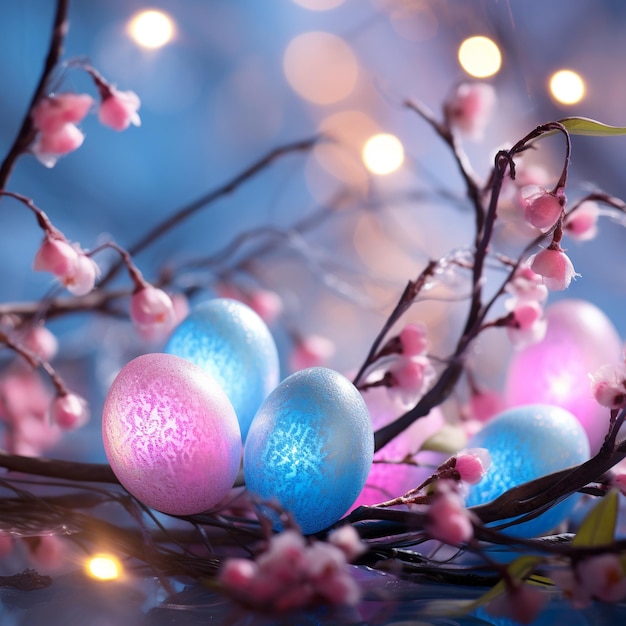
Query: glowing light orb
x: 320, y: 67
x: 229, y: 341
x: 480, y: 57
x: 525, y: 443
x: 579, y: 339
x: 151, y: 28
x: 310, y: 447
x: 567, y: 87
x: 171, y: 434
x: 104, y: 567
x: 383, y: 154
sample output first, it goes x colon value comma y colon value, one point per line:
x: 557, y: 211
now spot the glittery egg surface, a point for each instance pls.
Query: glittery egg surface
x: 171, y: 435
x: 525, y: 443
x: 232, y: 343
x: 310, y: 447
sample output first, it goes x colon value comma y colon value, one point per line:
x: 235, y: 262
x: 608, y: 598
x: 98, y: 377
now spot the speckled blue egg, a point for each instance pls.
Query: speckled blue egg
x: 525, y: 443
x: 310, y: 447
x: 229, y: 341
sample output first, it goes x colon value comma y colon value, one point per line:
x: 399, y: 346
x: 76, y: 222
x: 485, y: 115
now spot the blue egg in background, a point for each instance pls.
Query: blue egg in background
x: 310, y: 447
x: 527, y: 442
x: 228, y: 340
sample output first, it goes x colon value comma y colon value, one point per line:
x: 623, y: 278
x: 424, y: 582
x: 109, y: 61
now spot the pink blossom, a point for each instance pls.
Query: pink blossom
x: 582, y: 223
x: 413, y: 339
x: 69, y: 411
x: 530, y: 174
x: 48, y: 552
x: 55, y: 255
x: 82, y: 278
x: 152, y: 312
x: 603, y: 577
x: 39, y: 340
x: 571, y: 587
x: 485, y: 404
x: 48, y: 147
x: 52, y: 113
x: 470, y: 108
x: 608, y: 385
x: 119, y: 109
x: 472, y: 465
x: 527, y: 285
x: 527, y: 325
x: 267, y: 304
x: 555, y: 267
x: 292, y: 574
x: 523, y: 603
x: 410, y: 377
x: 542, y: 209
x: 448, y: 520
x: 311, y: 351
x: 347, y: 539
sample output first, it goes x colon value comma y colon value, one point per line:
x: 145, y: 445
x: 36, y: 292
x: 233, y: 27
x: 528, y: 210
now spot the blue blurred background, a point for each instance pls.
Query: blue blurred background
x: 237, y: 79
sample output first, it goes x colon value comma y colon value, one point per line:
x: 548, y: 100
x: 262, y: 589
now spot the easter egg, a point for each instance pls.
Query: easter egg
x: 229, y: 341
x: 310, y: 447
x: 171, y: 435
x: 525, y: 443
x: 579, y: 339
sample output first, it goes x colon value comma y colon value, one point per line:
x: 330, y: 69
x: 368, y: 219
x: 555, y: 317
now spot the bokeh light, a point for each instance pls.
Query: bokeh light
x: 319, y: 5
x: 104, y: 567
x: 567, y: 87
x: 320, y: 67
x: 151, y: 28
x: 479, y: 56
x: 383, y: 154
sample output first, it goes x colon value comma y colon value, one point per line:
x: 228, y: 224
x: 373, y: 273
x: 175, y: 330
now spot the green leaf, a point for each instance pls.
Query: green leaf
x: 518, y: 569
x: 449, y: 439
x: 598, y: 528
x: 586, y: 126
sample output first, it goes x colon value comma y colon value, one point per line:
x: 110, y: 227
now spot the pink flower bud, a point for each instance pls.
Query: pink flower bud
x: 603, y: 577
x: 267, y: 304
x: 48, y: 147
x: 56, y: 256
x: 473, y: 464
x: 448, y: 520
x: 119, y: 109
x: 347, y: 539
x: 42, y: 342
x: 311, y: 351
x: 470, y: 107
x: 413, y: 339
x: 582, y: 223
x: 69, y: 411
x: 527, y: 285
x: 555, y: 267
x: 410, y: 378
x: 152, y: 312
x: 82, y: 279
x: 238, y: 574
x: 485, y: 404
x: 52, y: 113
x: 542, y: 209
x: 608, y: 385
x: 523, y: 603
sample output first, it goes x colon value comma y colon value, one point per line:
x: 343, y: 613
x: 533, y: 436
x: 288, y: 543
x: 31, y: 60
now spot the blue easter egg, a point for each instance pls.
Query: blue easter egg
x: 310, y: 447
x: 229, y: 341
x: 527, y: 442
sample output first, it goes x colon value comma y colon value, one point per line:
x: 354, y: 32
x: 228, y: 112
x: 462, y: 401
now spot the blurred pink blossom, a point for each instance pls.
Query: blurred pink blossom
x: 448, y: 519
x: 608, y: 385
x: 470, y: 107
x: 311, y: 351
x: 523, y: 603
x: 119, y: 109
x: 69, y: 411
x: 48, y: 147
x: 52, y: 113
x: 413, y: 339
x: 582, y: 224
x: 39, y: 340
x: 152, y: 313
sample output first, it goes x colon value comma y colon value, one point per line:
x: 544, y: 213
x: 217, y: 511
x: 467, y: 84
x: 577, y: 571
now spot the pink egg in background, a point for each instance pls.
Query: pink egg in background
x: 386, y: 480
x: 579, y: 339
x: 171, y: 435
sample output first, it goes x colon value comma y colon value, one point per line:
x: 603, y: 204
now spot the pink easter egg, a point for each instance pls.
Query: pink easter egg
x: 579, y: 339
x: 171, y: 435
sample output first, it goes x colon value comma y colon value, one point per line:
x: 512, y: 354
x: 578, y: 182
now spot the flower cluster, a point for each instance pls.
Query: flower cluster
x: 294, y: 574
